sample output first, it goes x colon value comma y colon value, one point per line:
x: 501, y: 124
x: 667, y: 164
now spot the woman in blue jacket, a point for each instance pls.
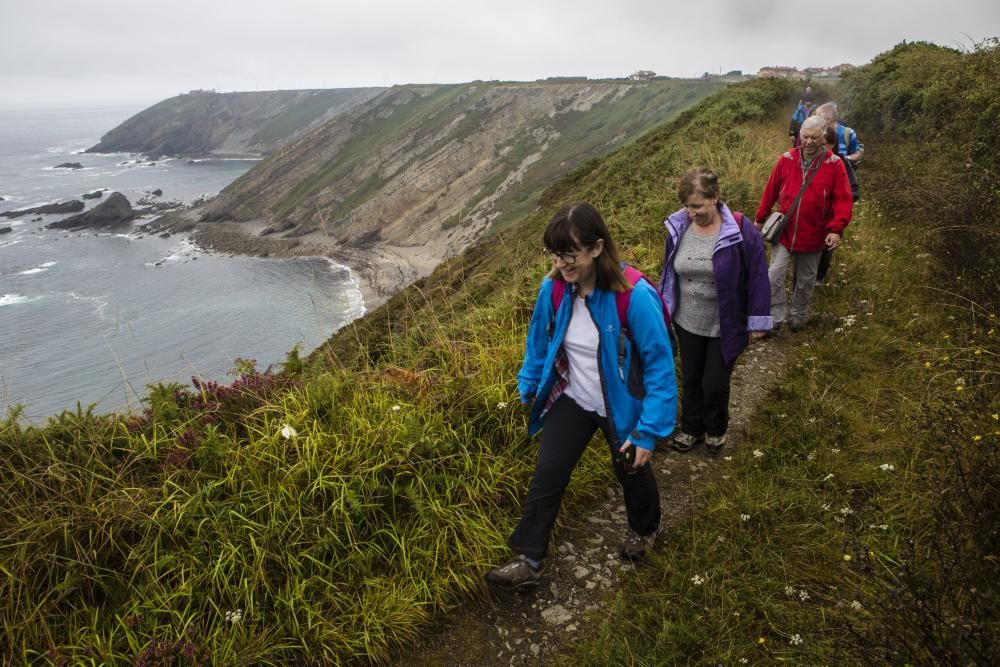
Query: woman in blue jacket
x: 582, y: 373
x: 715, y: 285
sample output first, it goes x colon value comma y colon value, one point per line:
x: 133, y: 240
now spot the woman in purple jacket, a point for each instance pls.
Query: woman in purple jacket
x: 714, y: 284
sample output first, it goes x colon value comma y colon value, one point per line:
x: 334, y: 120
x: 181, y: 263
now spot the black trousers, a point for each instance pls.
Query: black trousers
x: 567, y: 430
x: 705, y: 395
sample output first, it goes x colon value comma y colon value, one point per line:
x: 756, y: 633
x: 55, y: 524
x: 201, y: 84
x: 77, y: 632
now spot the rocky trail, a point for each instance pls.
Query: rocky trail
x: 584, y: 572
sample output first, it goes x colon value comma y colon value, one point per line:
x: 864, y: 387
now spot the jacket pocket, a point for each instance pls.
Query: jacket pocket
x: 634, y: 382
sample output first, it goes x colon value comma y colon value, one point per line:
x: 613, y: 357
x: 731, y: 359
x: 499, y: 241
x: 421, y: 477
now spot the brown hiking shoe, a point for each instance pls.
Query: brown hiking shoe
x: 516, y: 575
x: 636, y: 546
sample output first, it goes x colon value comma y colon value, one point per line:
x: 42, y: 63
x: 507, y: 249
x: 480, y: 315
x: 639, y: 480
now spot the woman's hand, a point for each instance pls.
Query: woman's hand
x: 642, y: 456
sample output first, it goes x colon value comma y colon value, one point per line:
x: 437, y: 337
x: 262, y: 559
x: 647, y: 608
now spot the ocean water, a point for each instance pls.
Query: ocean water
x: 95, y: 317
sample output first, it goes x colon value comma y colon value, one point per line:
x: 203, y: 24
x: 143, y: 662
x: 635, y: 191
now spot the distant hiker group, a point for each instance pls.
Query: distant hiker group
x: 599, y: 351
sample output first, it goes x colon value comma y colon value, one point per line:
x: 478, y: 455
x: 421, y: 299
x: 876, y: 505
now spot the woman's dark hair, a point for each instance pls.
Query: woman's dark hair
x: 578, y: 226
x: 830, y: 137
x: 700, y: 180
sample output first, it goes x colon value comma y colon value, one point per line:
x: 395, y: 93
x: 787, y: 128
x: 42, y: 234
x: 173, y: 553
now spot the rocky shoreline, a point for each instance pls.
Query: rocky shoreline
x: 381, y: 271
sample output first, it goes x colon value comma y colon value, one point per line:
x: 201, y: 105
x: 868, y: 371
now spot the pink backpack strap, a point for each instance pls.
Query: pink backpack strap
x: 558, y: 291
x: 622, y: 299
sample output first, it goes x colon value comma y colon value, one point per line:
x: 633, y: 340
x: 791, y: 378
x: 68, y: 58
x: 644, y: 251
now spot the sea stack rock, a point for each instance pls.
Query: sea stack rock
x: 6, y: 230
x: 116, y: 210
x: 96, y: 194
x: 69, y: 165
x: 61, y: 208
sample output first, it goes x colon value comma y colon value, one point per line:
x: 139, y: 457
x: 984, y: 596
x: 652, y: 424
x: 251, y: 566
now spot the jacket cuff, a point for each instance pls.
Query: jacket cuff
x: 642, y: 441
x: 760, y: 323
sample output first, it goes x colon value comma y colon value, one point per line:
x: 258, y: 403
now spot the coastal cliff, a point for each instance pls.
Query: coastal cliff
x: 426, y: 170
x: 208, y: 124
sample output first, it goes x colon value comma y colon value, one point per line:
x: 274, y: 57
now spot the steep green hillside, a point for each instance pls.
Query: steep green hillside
x: 331, y: 512
x: 129, y: 535
x: 228, y: 124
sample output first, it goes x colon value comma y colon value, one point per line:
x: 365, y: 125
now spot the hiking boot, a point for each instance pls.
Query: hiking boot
x: 715, y: 443
x: 516, y: 575
x: 796, y: 326
x: 684, y: 442
x: 636, y: 546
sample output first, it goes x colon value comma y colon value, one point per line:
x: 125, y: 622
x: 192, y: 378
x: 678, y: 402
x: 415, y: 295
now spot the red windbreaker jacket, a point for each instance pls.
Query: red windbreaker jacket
x: 825, y: 207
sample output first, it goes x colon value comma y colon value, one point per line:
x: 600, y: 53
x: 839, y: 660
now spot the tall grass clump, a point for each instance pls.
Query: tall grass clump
x: 326, y: 513
x: 857, y: 525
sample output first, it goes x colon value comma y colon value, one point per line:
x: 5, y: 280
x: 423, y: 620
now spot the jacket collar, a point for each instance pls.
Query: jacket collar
x: 729, y: 233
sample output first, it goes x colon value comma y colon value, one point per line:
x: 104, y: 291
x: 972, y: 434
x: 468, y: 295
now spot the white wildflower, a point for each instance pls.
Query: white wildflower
x: 789, y: 591
x: 846, y: 510
x: 826, y: 507
x: 234, y: 616
x: 887, y: 467
x: 796, y: 640
x: 501, y: 405
x: 835, y: 450
x: 287, y: 432
x: 744, y: 661
x: 744, y: 518
x: 811, y: 456
x: 396, y: 408
x: 803, y: 595
x: 838, y: 519
x: 728, y: 458
x: 856, y: 606
x: 757, y: 454
x: 697, y: 580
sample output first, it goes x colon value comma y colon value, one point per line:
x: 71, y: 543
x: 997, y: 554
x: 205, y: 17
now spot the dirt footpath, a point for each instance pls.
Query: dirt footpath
x: 583, y: 571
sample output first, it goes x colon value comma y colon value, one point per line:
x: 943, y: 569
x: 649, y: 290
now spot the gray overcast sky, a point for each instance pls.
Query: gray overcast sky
x: 86, y: 52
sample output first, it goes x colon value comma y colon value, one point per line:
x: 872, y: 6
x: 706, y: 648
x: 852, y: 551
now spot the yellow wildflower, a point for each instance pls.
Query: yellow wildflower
x: 761, y: 640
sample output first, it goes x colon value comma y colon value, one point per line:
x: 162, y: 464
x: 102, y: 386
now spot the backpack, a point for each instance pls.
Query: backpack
x: 622, y: 301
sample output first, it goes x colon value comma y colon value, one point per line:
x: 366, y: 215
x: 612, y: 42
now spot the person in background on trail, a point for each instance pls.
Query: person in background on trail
x: 801, y: 112
x: 848, y: 144
x: 818, y: 221
x: 583, y: 371
x: 714, y: 282
x: 830, y: 140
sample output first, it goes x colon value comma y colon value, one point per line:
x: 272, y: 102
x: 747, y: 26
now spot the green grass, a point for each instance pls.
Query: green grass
x: 128, y: 536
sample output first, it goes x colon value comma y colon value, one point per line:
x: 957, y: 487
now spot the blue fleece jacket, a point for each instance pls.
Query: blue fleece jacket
x: 640, y: 394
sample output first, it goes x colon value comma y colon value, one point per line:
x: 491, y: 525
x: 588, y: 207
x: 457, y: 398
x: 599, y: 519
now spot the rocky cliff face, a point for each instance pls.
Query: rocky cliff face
x: 437, y: 166
x: 229, y: 124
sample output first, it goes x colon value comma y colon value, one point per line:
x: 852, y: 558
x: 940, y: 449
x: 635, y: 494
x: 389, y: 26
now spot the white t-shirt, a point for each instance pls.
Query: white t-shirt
x: 580, y: 345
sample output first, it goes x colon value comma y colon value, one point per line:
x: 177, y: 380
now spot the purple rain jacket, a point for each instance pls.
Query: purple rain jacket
x: 744, y: 300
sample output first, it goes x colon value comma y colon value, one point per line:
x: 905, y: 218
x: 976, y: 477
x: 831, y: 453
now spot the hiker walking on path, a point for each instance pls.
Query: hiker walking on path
x: 802, y: 111
x: 811, y: 188
x: 830, y: 140
x: 714, y: 283
x: 597, y: 357
x: 848, y: 144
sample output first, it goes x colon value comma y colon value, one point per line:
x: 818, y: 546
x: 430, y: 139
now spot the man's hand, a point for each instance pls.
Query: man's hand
x: 832, y: 240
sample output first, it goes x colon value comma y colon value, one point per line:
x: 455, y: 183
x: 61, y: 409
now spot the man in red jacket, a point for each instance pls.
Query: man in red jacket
x: 817, y: 222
